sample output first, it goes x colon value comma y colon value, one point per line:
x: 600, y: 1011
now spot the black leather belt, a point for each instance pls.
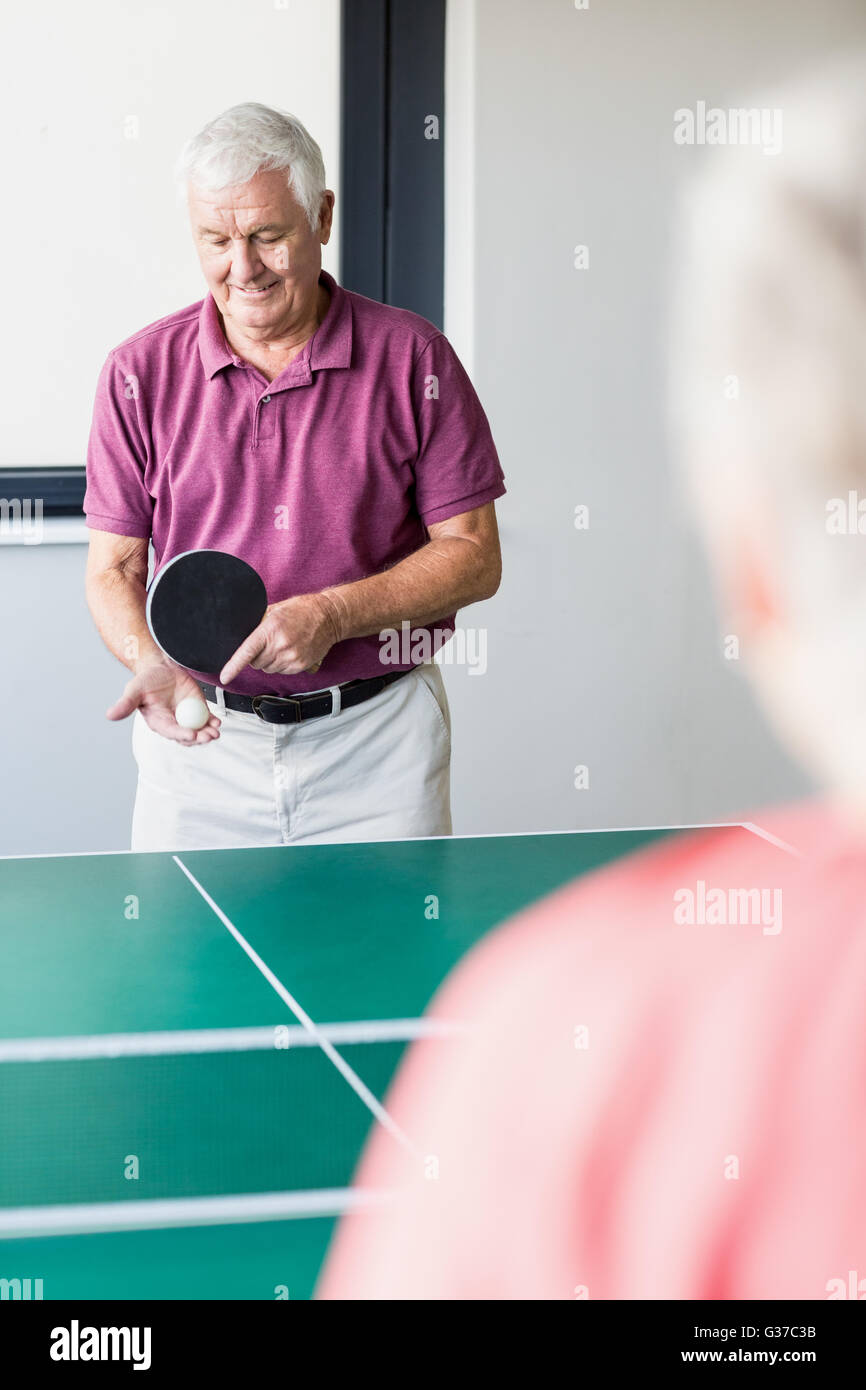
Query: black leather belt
x: 294, y: 709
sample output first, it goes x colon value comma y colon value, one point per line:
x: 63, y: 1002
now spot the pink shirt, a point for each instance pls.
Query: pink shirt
x: 647, y: 1107
x: 328, y: 474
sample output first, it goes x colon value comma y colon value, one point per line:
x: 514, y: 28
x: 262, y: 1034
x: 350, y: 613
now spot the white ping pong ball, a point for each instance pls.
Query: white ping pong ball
x: 192, y: 713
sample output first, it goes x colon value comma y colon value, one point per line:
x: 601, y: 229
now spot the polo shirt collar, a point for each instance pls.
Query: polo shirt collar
x: 332, y: 341
x: 330, y: 346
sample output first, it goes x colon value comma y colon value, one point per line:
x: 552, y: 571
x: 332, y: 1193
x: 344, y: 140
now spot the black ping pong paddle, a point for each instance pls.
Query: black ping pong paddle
x: 202, y: 605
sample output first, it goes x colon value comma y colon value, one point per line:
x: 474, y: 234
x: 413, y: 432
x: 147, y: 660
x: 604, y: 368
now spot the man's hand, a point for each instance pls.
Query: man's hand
x: 157, y: 688
x: 293, y: 636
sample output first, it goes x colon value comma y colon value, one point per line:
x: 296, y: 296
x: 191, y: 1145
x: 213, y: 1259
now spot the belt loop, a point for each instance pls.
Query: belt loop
x: 336, y: 701
x: 221, y: 701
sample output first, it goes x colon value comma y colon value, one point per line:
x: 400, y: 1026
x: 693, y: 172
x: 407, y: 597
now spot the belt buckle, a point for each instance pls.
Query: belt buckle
x: 276, y: 700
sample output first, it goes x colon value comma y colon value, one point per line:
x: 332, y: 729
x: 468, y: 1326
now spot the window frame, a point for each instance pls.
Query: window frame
x: 392, y: 189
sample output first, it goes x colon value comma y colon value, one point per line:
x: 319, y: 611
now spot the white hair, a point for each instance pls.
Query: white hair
x: 250, y: 138
x: 770, y: 319
x: 768, y: 397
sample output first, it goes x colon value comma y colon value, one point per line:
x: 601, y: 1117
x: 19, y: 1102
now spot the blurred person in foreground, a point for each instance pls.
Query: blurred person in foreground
x: 658, y: 1101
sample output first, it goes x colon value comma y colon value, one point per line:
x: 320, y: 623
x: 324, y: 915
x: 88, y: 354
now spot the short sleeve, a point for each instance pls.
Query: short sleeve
x: 117, y: 499
x: 457, y: 467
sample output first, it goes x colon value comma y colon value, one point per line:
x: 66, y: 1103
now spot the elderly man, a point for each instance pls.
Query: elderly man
x: 338, y: 446
x: 657, y: 1102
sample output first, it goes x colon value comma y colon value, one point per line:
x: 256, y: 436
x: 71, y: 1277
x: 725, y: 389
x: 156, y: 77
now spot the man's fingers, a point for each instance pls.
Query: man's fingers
x: 163, y: 722
x: 244, y: 656
x: 158, y: 707
x: 125, y: 706
x: 281, y: 660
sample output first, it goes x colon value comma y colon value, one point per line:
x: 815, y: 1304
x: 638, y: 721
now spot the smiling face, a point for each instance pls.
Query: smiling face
x: 259, y: 256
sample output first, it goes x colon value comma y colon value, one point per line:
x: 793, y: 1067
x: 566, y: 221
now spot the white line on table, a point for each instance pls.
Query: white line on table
x: 362, y: 1091
x: 83, y: 1218
x: 771, y: 839
x: 398, y: 840
x: 183, y: 1041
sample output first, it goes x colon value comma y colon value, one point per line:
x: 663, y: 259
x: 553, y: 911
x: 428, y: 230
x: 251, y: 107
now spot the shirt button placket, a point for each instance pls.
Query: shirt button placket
x: 265, y: 420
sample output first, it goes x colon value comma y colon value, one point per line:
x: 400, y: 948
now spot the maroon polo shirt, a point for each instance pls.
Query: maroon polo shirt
x: 328, y: 474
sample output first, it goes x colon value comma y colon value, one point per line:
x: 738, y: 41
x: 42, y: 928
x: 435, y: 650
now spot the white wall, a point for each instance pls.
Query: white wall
x: 603, y: 645
x: 95, y: 247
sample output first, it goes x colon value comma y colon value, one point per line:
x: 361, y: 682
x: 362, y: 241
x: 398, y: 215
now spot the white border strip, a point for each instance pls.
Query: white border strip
x: 362, y: 1091
x: 88, y: 1218
x: 183, y: 1042
x: 50, y: 530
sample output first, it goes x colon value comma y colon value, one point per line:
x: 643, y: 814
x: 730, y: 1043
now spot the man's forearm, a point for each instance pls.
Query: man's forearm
x: 446, y: 574
x: 116, y: 600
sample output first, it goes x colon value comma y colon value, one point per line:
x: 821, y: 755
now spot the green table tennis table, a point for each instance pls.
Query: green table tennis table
x: 193, y: 1047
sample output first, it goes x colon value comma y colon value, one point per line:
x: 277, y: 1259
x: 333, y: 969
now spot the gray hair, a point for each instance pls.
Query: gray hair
x: 768, y: 376
x: 768, y: 392
x: 250, y: 138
